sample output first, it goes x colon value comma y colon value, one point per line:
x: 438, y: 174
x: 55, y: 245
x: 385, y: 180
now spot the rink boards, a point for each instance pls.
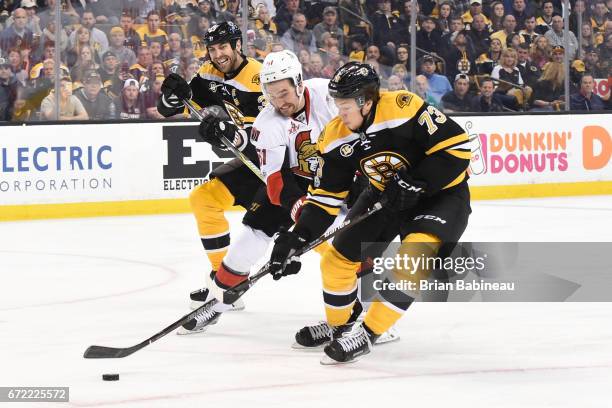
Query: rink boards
x: 73, y: 170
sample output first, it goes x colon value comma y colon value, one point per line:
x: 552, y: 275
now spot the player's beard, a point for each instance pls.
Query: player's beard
x: 287, y: 109
x: 228, y: 66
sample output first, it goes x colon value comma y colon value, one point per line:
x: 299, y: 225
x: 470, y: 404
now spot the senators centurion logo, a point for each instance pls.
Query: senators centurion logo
x: 382, y: 166
x: 306, y: 154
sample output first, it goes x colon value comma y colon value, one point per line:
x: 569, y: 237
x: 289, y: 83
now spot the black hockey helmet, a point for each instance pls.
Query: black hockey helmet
x: 222, y: 33
x: 355, y: 80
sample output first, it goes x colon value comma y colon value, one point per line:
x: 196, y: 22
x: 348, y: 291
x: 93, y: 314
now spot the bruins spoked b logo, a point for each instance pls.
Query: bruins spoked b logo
x: 382, y: 166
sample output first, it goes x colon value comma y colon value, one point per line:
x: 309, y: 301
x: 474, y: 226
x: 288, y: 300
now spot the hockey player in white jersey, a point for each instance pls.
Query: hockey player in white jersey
x: 286, y: 149
x: 286, y: 131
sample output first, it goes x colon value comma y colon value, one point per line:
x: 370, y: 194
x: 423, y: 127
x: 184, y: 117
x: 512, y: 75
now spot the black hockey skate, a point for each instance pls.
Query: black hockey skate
x: 318, y: 335
x: 348, y: 347
x: 201, y: 321
x: 201, y: 296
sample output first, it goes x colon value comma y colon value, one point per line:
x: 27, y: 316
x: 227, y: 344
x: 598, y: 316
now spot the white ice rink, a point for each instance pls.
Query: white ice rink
x: 67, y: 284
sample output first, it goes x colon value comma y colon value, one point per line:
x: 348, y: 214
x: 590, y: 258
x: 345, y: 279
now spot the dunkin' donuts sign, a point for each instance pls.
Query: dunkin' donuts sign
x: 538, y: 149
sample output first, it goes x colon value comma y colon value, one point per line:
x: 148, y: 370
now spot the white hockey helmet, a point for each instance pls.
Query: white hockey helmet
x: 281, y: 65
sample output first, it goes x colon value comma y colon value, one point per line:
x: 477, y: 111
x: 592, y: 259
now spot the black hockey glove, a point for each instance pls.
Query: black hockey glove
x: 212, y: 128
x: 174, y: 89
x: 282, y: 261
x: 402, y: 192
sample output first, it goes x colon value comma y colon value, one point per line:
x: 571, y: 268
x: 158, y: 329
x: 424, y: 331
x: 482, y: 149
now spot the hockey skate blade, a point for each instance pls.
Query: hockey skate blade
x: 327, y: 361
x: 236, y: 307
x: 387, y: 337
x: 181, y: 331
x: 298, y: 346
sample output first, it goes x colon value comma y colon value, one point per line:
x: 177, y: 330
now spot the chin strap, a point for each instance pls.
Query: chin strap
x: 365, y: 118
x: 300, y: 94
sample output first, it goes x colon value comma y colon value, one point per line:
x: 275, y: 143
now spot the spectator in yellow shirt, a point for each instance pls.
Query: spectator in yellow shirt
x: 509, y: 24
x: 151, y: 32
x: 475, y: 9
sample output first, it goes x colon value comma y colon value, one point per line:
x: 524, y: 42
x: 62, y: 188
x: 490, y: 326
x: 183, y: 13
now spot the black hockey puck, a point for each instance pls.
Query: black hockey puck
x: 110, y: 377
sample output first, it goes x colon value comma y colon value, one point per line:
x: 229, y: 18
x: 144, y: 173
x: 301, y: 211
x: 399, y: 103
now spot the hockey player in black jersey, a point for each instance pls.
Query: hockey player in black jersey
x: 284, y: 133
x: 416, y: 160
x: 230, y: 80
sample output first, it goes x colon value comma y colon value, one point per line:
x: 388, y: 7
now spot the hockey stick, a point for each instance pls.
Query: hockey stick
x: 195, y: 112
x: 230, y: 296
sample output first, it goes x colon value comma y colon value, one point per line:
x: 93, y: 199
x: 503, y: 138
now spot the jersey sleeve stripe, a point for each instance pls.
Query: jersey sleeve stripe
x: 462, y: 154
x: 240, y: 86
x: 456, y: 181
x: 211, y: 76
x: 332, y: 202
x: 332, y: 145
x: 334, y: 134
x: 387, y: 124
x: 275, y: 187
x: 319, y: 191
x: 325, y: 196
x: 467, y: 146
x: 446, y: 143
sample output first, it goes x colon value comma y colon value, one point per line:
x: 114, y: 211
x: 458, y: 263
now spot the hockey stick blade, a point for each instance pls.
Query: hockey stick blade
x: 108, y: 352
x: 112, y: 352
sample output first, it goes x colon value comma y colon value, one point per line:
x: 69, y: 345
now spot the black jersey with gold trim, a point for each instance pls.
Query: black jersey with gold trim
x: 239, y: 93
x: 403, y: 131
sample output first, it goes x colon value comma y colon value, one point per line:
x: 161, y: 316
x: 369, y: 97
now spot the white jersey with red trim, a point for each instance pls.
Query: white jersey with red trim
x: 291, y: 142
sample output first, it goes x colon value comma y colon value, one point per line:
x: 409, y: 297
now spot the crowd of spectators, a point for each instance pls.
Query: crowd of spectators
x: 472, y: 55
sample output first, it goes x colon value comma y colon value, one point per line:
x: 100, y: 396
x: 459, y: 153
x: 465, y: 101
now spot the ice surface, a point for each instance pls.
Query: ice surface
x: 67, y: 284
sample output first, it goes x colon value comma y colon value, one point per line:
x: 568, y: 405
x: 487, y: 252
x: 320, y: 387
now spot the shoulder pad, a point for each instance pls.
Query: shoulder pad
x: 395, y: 108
